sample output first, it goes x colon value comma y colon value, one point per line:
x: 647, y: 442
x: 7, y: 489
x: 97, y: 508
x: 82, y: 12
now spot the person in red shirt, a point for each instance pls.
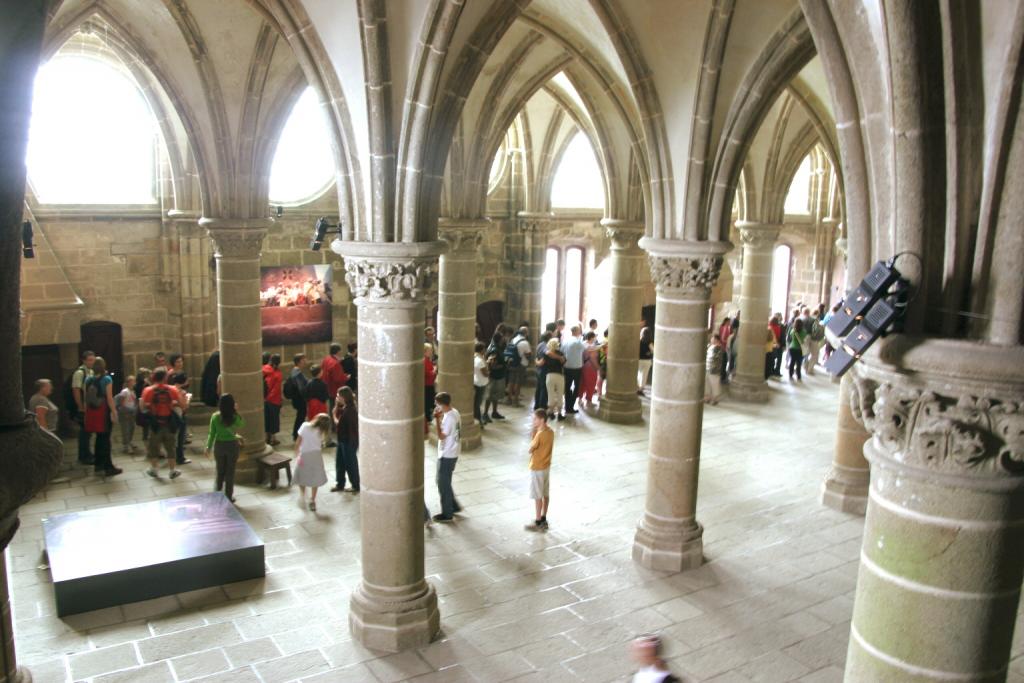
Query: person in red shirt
x: 335, y: 377
x: 332, y: 373
x: 429, y: 380
x: 158, y: 403
x: 272, y: 381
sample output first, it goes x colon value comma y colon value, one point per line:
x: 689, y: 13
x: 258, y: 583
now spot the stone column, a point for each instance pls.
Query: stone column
x: 30, y: 457
x: 669, y: 538
x: 942, y: 561
x: 394, y: 608
x: 755, y: 295
x: 456, y: 318
x: 238, y: 243
x: 534, y: 227
x: 846, y: 486
x: 620, y: 403
x: 197, y: 317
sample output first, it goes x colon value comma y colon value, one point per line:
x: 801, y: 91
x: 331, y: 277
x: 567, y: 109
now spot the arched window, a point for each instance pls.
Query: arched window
x: 798, y: 198
x: 498, y: 166
x: 303, y: 166
x: 578, y: 183
x: 93, y: 138
x: 782, y: 262
x: 563, y: 284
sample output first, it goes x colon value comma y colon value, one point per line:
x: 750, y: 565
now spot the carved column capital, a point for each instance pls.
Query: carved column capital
x: 384, y: 280
x: 758, y: 236
x: 625, y: 235
x: 534, y: 222
x: 237, y: 238
x: 691, y: 266
x: 464, y: 236
x: 930, y: 423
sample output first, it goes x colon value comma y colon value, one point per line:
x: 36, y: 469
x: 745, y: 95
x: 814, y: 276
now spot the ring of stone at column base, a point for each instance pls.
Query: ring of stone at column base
x: 400, y: 625
x: 749, y: 392
x: 669, y: 549
x: 960, y: 423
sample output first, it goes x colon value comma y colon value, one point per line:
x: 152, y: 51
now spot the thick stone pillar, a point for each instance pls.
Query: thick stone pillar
x: 669, y: 538
x: 534, y: 228
x: 942, y: 561
x: 238, y: 243
x: 755, y: 296
x: 394, y: 608
x: 456, y: 318
x: 846, y: 486
x: 621, y: 403
x: 29, y: 457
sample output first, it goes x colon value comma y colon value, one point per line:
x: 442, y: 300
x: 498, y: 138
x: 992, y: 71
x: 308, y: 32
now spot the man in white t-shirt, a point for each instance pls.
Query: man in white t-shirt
x: 449, y: 445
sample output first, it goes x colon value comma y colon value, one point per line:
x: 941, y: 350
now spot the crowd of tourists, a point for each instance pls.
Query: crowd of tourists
x: 796, y: 343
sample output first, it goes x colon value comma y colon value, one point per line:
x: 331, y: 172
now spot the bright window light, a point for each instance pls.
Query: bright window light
x: 782, y: 259
x: 578, y: 183
x: 798, y: 199
x: 573, y: 285
x: 93, y: 136
x: 549, y: 287
x: 303, y: 166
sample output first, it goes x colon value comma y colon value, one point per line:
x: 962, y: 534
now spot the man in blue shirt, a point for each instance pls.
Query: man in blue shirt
x: 573, y: 350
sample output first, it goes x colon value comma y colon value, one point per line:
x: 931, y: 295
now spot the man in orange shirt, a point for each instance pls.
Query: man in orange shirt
x: 541, y: 446
x: 158, y: 403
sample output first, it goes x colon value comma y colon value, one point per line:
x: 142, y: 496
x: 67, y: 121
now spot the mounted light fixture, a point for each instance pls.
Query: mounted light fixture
x: 871, y: 311
x: 27, y: 248
x: 320, y: 233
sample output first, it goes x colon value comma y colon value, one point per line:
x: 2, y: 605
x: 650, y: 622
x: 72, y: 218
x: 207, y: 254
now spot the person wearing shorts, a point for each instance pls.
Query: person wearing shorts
x: 542, y: 444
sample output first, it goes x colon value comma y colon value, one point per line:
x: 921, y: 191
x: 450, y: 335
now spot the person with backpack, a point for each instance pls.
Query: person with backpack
x: 272, y: 381
x: 315, y: 393
x: 293, y: 390
x: 159, y: 401
x: 225, y: 442
x: 74, y: 402
x: 517, y: 359
x: 797, y: 342
x: 815, y: 338
x: 100, y: 415
x: 497, y: 370
x: 179, y: 381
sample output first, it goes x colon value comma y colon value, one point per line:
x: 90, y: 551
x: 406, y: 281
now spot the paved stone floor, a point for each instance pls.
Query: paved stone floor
x: 773, y: 602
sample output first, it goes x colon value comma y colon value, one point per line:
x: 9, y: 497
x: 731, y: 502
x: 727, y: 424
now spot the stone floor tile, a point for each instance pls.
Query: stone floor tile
x: 242, y: 675
x: 104, y: 660
x: 187, y: 641
x: 774, y: 667
x: 252, y: 651
x: 151, y: 673
x: 200, y: 664
x: 398, y: 667
x: 830, y: 674
x: 292, y: 667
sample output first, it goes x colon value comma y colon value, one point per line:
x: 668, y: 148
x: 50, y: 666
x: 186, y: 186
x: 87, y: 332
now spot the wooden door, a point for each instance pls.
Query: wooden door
x: 488, y: 315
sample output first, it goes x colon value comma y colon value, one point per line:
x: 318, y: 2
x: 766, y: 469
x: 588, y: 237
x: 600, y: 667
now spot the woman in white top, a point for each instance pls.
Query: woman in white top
x: 309, y: 459
x: 480, y: 383
x: 42, y: 407
x: 127, y: 407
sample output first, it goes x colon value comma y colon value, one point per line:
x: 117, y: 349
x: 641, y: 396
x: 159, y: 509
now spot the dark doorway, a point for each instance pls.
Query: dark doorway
x: 104, y: 339
x: 43, y: 362
x: 647, y: 313
x: 488, y: 315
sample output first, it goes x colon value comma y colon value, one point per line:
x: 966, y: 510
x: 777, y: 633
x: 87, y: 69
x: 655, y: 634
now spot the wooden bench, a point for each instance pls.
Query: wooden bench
x: 270, y: 465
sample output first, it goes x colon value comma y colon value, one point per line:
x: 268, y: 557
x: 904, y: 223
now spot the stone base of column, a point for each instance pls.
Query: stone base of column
x: 247, y: 466
x: 394, y: 624
x: 669, y: 549
x: 749, y: 391
x: 471, y: 437
x: 846, y: 491
x: 620, y: 409
x: 21, y: 675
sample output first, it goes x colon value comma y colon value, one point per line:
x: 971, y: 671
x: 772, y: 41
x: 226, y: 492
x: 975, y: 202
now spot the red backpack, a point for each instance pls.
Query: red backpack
x: 161, y: 406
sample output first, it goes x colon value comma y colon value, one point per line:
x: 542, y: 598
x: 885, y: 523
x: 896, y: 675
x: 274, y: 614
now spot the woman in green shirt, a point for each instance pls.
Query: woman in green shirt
x: 797, y: 339
x: 225, y: 441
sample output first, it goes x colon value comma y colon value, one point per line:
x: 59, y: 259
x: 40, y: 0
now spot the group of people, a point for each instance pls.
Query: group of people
x: 799, y: 341
x: 570, y: 368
